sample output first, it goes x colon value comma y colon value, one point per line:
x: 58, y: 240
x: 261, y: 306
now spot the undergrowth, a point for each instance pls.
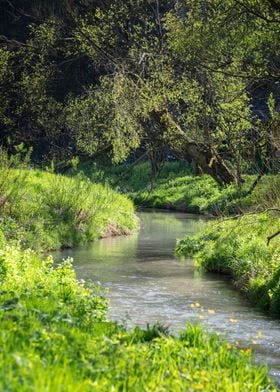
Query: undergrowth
x: 201, y: 194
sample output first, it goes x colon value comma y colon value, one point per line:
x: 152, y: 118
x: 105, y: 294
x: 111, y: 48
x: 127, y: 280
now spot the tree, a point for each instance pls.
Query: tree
x: 93, y: 77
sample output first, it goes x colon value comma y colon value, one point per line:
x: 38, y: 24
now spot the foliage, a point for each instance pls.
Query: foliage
x: 128, y: 178
x: 88, y: 79
x: 238, y: 247
x: 11, y: 182
x: 54, y: 336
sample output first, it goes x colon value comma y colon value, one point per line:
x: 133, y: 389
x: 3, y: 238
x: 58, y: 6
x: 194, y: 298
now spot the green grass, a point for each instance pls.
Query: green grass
x: 176, y: 188
x: 54, y: 336
x: 49, y: 211
x: 201, y: 194
x: 54, y: 331
x: 136, y: 178
x: 238, y: 247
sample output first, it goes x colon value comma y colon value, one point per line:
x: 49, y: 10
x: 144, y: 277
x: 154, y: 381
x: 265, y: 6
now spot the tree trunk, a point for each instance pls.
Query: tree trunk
x: 206, y: 158
x: 209, y: 162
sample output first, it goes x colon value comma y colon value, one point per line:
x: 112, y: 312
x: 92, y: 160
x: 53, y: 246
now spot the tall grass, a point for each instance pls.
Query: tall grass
x: 50, y: 211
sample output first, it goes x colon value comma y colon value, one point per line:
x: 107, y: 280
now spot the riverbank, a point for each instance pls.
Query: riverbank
x: 55, y: 335
x: 245, y: 249
x: 177, y: 188
x: 47, y: 211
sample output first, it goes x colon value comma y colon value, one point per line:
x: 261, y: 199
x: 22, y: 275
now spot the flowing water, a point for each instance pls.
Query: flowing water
x: 148, y: 284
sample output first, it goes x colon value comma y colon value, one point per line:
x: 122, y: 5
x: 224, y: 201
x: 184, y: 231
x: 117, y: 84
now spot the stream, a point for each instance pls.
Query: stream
x: 148, y: 284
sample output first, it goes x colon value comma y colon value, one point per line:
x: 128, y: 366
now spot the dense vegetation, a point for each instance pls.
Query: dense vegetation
x: 245, y: 249
x: 55, y: 336
x: 177, y: 188
x: 49, y: 211
x: 92, y: 79
x: 91, y: 84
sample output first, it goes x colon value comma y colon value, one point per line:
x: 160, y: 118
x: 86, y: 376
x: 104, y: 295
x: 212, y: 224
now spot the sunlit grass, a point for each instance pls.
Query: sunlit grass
x: 54, y: 336
x: 239, y: 248
x: 49, y: 211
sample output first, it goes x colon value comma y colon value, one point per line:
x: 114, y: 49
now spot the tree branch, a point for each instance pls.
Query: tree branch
x: 255, y: 183
x: 256, y: 13
x: 269, y: 238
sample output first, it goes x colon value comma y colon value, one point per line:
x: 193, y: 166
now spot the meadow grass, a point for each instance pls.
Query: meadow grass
x: 201, y: 194
x: 55, y: 336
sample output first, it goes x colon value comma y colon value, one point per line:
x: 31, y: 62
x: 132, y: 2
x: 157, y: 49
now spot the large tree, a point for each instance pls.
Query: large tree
x: 88, y: 77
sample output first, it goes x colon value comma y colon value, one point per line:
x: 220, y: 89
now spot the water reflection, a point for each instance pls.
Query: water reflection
x: 147, y: 284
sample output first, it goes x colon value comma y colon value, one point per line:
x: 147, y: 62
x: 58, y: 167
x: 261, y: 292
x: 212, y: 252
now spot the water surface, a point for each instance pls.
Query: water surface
x: 148, y: 284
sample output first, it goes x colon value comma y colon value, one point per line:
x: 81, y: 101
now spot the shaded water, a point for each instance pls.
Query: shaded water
x: 147, y: 285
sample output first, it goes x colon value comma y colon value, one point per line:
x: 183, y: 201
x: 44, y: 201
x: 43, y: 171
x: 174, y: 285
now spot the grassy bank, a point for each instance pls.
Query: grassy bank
x: 201, y: 194
x: 55, y: 336
x: 238, y: 247
x: 176, y: 188
x: 49, y: 211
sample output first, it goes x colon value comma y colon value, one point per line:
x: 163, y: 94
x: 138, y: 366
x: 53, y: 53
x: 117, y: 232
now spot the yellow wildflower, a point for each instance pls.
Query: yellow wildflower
x: 232, y: 320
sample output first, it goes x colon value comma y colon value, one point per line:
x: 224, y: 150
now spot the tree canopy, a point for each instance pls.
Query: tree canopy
x: 198, y: 79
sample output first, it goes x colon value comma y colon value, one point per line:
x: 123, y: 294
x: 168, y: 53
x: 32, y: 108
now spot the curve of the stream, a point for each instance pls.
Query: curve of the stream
x: 148, y: 284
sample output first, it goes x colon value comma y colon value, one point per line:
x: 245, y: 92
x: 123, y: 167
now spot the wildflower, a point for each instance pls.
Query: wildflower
x: 192, y: 305
x: 254, y: 342
x: 211, y: 311
x: 198, y: 386
x: 245, y: 350
x: 232, y: 320
x: 197, y: 304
